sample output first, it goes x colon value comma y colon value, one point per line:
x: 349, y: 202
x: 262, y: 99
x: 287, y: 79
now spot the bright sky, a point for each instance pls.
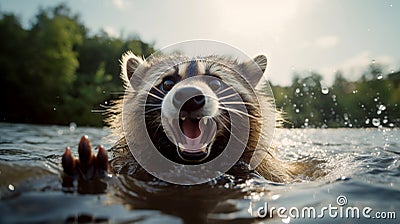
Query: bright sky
x: 301, y: 35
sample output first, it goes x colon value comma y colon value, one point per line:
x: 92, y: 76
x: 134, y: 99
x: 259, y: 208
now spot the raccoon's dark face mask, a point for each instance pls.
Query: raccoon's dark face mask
x: 191, y: 116
x: 187, y: 110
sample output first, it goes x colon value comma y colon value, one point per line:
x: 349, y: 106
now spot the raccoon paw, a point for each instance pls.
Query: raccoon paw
x: 88, y: 166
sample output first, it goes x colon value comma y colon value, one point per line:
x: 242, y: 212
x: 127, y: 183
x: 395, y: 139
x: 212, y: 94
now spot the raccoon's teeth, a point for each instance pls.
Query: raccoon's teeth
x: 183, y: 118
x: 205, y: 120
x: 181, y: 146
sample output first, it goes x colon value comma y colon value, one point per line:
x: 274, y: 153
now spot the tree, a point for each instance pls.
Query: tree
x: 13, y: 42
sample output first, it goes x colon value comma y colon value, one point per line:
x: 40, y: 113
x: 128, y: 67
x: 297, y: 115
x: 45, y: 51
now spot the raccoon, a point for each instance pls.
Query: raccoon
x: 194, y: 92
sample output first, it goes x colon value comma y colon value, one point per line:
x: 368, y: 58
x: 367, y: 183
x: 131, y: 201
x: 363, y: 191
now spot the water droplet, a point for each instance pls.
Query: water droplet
x: 392, y: 71
x: 54, y: 108
x: 104, y: 92
x: 11, y: 187
x: 346, y: 116
x: 355, y: 91
x: 275, y: 196
x: 60, y: 131
x: 376, y: 122
x: 297, y: 90
x: 105, y: 102
x: 325, y: 90
x: 376, y: 99
x: 382, y: 107
x: 378, y: 112
x: 297, y: 110
x: 391, y: 125
x: 367, y: 121
x: 385, y: 121
x: 72, y: 126
x: 373, y: 60
x: 379, y: 76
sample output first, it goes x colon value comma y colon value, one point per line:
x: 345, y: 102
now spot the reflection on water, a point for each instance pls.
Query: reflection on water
x: 361, y: 164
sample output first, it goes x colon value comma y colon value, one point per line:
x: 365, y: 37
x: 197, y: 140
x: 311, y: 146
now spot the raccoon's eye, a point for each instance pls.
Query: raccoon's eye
x: 215, y: 84
x: 167, y: 85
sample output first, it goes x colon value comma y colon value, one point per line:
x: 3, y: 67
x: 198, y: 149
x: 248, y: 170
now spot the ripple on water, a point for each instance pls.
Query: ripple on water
x: 361, y: 164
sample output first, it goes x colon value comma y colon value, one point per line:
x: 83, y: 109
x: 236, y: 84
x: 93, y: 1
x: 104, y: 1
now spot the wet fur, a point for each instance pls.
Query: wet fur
x: 262, y: 114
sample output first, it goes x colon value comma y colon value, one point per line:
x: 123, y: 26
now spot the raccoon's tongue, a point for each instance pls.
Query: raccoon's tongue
x: 191, y: 128
x: 197, y: 134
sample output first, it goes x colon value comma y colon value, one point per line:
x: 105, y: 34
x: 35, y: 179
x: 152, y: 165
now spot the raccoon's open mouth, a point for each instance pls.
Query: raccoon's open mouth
x: 195, y: 138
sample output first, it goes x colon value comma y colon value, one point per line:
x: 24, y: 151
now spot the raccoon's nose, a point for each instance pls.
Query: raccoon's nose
x: 191, y: 98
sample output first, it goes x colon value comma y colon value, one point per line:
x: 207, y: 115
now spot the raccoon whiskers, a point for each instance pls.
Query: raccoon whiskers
x: 151, y: 104
x: 98, y: 111
x: 155, y: 96
x: 156, y: 120
x: 224, y: 118
x: 238, y: 103
x: 158, y: 90
x: 128, y: 92
x: 151, y: 110
x: 227, y: 129
x: 158, y: 127
x: 238, y: 112
x: 224, y: 90
x: 228, y: 96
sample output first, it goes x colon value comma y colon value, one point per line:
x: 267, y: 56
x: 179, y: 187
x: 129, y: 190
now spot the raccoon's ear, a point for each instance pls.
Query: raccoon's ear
x: 130, y: 64
x: 261, y: 61
x: 253, y: 70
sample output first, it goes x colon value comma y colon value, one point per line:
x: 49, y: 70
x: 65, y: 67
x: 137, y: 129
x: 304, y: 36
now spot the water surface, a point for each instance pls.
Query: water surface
x: 361, y: 165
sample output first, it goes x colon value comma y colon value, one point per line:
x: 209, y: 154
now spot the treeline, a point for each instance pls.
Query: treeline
x: 372, y: 101
x: 56, y: 72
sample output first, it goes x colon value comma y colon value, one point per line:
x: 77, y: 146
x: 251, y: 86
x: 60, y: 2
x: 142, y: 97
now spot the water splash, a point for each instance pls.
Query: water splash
x: 325, y: 90
x: 72, y: 126
x: 376, y: 122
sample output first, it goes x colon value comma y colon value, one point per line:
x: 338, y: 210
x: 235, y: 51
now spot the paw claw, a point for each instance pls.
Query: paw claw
x: 85, y: 152
x: 68, y: 162
x: 102, y: 158
x: 88, y: 166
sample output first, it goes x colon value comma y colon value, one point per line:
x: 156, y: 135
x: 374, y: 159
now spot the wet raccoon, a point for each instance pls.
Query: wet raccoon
x: 164, y: 87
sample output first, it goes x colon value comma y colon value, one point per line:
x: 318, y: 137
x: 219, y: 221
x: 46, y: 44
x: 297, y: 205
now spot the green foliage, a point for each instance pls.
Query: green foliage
x: 55, y: 72
x: 373, y: 101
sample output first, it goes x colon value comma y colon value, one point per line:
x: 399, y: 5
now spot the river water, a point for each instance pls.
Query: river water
x: 361, y: 184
